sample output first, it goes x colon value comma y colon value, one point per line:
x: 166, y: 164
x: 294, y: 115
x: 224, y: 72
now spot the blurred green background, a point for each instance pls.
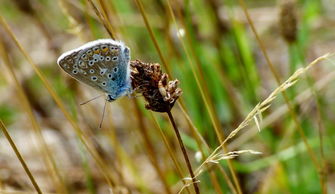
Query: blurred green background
x: 224, y: 69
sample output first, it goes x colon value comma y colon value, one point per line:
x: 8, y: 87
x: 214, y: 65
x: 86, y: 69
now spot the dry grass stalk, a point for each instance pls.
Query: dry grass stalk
x: 205, y: 97
x: 82, y: 136
x: 19, y: 156
x: 150, y: 147
x: 217, y: 154
x: 197, y: 72
x: 74, y: 16
x: 303, y: 97
x: 102, y: 19
x: 215, y: 160
x: 152, y: 35
x: 160, y: 94
x: 27, y: 107
x: 170, y: 151
x: 230, y: 155
x: 293, y: 113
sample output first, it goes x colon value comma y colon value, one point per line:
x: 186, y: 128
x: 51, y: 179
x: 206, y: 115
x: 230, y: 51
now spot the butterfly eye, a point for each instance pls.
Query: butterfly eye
x: 114, y: 58
x: 115, y: 69
x: 113, y: 79
x: 94, y: 78
x: 90, y: 63
x: 75, y: 66
x: 109, y: 75
x: 103, y: 83
x: 102, y: 58
x: 92, y: 71
x: 95, y: 60
x: 108, y: 58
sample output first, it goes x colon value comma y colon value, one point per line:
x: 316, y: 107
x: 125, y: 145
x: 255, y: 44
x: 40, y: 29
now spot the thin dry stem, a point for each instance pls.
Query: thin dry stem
x: 47, y: 156
x: 282, y: 110
x: 152, y: 36
x: 70, y: 12
x: 230, y: 155
x: 140, y: 6
x: 277, y: 78
x: 170, y: 150
x: 261, y: 107
x: 150, y: 147
x: 106, y: 24
x: 18, y: 155
x: 187, y: 160
x: 201, y: 141
x: 122, y: 156
x: 199, y: 78
x: 84, y: 139
x: 215, y: 160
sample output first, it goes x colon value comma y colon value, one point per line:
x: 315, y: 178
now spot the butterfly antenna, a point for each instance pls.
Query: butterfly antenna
x: 103, y: 115
x: 83, y: 103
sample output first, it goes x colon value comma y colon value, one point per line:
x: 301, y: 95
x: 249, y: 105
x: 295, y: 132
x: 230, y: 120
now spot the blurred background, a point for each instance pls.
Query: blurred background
x: 228, y: 56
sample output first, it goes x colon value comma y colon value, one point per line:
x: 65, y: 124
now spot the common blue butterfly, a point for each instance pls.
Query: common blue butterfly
x: 102, y: 64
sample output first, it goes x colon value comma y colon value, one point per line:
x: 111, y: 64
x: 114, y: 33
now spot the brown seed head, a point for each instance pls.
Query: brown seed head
x: 158, y: 91
x: 288, y: 21
x: 25, y: 6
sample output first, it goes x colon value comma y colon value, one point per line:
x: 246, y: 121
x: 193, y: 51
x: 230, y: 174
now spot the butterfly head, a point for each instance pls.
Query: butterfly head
x: 110, y: 98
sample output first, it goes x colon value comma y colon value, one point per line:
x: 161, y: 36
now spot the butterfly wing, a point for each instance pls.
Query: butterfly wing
x: 101, y: 64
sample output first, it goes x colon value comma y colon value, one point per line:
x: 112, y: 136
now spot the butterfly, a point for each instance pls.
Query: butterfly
x: 102, y: 64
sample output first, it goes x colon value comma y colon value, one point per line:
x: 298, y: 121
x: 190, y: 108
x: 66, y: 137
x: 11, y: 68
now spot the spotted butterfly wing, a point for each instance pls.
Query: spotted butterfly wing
x: 102, y: 64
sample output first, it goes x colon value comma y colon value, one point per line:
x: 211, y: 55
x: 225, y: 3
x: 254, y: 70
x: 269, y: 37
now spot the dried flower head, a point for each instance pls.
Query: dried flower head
x: 25, y: 6
x: 288, y: 21
x: 148, y: 79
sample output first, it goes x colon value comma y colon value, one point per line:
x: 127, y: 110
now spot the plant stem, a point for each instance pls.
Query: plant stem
x: 290, y: 107
x: 196, y: 188
x: 150, y: 148
x: 23, y: 163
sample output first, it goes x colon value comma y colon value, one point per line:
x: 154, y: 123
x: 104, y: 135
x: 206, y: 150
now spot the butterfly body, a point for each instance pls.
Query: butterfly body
x: 102, y: 64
